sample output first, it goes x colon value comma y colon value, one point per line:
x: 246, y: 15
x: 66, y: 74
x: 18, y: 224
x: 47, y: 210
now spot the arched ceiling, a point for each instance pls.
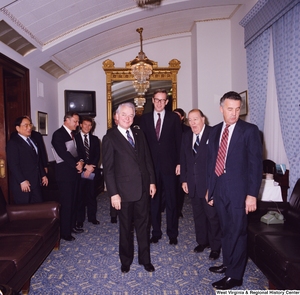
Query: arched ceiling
x: 63, y: 35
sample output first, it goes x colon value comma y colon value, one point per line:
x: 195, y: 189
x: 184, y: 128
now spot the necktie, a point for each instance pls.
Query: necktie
x: 86, y: 147
x: 220, y: 163
x: 157, y: 127
x: 31, y: 145
x: 196, y: 144
x: 130, y: 139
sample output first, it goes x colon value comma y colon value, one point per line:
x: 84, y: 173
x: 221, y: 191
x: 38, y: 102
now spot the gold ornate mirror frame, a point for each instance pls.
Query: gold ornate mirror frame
x: 124, y: 74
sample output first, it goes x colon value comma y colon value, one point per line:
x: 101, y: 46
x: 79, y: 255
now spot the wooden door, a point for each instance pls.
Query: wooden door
x: 14, y: 102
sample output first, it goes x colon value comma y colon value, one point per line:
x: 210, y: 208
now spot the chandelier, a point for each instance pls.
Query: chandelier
x: 141, y: 69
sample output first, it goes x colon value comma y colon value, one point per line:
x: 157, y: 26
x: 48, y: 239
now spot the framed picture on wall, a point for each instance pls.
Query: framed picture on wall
x: 244, y: 107
x: 42, y: 123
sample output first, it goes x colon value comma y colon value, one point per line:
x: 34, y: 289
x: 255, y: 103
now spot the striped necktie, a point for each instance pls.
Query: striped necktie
x: 86, y: 147
x: 130, y: 139
x: 157, y: 127
x: 220, y: 163
x: 196, y: 145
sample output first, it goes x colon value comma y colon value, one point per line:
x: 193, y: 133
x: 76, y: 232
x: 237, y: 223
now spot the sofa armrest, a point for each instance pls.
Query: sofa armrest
x: 33, y: 211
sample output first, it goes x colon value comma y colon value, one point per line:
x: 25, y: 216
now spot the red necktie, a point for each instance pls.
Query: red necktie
x: 220, y: 163
x: 157, y: 127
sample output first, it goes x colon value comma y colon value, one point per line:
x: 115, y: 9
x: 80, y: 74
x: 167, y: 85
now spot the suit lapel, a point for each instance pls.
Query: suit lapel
x: 237, y: 133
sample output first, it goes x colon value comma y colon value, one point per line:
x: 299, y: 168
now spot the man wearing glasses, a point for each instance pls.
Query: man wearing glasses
x: 26, y: 170
x: 163, y: 133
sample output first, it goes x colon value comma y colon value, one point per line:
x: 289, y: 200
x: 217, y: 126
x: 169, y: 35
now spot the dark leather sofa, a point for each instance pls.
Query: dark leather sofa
x: 28, y: 233
x: 275, y: 248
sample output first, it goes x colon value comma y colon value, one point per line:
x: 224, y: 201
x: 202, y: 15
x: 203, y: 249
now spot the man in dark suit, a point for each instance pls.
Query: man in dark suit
x: 163, y: 133
x: 130, y: 181
x: 193, y: 177
x: 234, y: 178
x: 25, y: 165
x: 88, y: 147
x: 67, y: 173
x: 38, y: 138
x: 180, y: 192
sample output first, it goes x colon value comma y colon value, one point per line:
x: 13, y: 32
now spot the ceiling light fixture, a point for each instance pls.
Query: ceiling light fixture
x: 141, y: 69
x: 148, y: 3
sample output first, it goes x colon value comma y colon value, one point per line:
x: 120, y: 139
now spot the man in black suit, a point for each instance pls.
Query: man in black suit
x: 193, y: 177
x: 67, y: 173
x: 180, y: 192
x: 234, y: 178
x: 163, y: 133
x: 38, y: 138
x: 130, y: 180
x: 25, y: 166
x: 88, y: 147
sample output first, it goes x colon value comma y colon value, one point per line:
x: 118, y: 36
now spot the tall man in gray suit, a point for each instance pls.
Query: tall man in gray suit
x: 234, y: 178
x: 130, y: 180
x: 193, y: 177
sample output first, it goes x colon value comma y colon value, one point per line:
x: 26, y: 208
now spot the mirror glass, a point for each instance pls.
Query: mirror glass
x: 123, y: 91
x: 119, y: 87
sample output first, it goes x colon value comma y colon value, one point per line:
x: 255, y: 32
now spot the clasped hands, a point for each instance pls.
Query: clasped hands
x: 88, y: 170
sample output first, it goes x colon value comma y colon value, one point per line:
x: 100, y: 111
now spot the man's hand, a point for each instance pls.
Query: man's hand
x: 177, y: 170
x: 89, y: 170
x: 79, y: 166
x: 25, y: 186
x: 44, y: 181
x: 90, y: 167
x: 211, y: 202
x: 250, y: 204
x: 116, y: 201
x: 185, y: 187
x: 152, y: 190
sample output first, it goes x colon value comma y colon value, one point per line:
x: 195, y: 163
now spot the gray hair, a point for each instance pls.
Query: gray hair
x: 126, y: 104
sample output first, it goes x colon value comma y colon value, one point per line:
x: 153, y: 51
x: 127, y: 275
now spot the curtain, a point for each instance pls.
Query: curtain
x: 273, y: 143
x: 257, y: 70
x: 286, y: 44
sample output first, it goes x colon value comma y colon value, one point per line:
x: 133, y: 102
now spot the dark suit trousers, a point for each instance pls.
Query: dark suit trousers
x: 86, y: 198
x: 67, y: 198
x: 134, y: 215
x: 206, y: 221
x: 34, y: 196
x: 233, y: 222
x: 166, y: 184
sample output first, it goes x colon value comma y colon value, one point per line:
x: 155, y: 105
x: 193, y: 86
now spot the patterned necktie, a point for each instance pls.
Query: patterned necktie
x: 130, y: 139
x: 86, y: 147
x: 220, y: 163
x: 157, y: 127
x: 196, y: 144
x: 31, y: 145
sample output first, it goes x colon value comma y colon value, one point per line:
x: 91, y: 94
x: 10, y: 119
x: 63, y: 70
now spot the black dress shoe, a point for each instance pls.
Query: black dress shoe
x: 154, y: 240
x: 77, y: 230
x: 214, y: 255
x: 125, y: 268
x: 218, y: 269
x: 200, y: 248
x: 173, y: 241
x: 94, y: 221
x: 149, y: 267
x: 79, y: 225
x: 227, y: 283
x: 68, y: 238
x: 113, y: 219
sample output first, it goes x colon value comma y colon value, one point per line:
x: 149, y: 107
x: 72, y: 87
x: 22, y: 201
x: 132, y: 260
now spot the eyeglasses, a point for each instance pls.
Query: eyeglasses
x: 27, y: 125
x: 159, y: 100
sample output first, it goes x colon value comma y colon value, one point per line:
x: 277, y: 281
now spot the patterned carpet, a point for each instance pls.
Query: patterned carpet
x: 90, y: 264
